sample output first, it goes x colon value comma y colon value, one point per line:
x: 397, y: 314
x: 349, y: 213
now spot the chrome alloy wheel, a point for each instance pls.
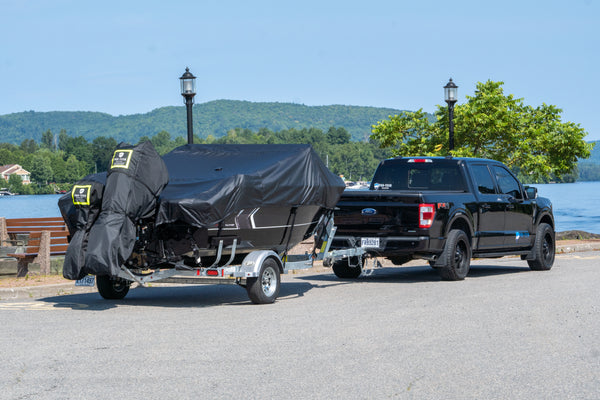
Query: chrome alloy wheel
x: 269, y: 281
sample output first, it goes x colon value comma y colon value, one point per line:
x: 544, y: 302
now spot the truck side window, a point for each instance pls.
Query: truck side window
x: 508, y: 184
x: 483, y: 179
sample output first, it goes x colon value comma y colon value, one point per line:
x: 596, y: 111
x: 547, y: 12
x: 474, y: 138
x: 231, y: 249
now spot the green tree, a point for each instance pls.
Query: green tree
x: 29, y: 146
x: 77, y: 146
x: 48, y: 140
x: 74, y: 170
x: 7, y: 156
x: 493, y: 125
x: 338, y: 136
x: 102, y: 151
x: 15, y: 184
x: 41, y: 169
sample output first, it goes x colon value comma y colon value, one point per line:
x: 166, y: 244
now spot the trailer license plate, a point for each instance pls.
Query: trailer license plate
x: 369, y: 242
x: 86, y: 281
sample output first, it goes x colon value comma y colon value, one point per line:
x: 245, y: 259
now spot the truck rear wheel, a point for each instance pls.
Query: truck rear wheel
x: 543, y: 248
x: 343, y: 269
x: 455, y: 261
x: 112, y: 289
x: 264, y: 289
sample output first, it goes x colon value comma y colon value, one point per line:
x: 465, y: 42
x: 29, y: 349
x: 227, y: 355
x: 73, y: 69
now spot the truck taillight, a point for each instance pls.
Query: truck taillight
x: 426, y: 215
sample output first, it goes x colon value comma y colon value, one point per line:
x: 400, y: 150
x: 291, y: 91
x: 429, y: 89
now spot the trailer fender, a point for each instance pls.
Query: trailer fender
x: 250, y: 267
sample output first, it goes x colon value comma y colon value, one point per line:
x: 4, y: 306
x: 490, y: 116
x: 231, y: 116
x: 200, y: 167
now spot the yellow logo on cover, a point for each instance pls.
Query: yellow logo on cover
x: 121, y: 159
x: 81, y: 195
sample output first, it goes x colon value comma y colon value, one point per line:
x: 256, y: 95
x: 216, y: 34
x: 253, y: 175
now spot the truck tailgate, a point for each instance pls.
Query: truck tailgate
x: 377, y: 213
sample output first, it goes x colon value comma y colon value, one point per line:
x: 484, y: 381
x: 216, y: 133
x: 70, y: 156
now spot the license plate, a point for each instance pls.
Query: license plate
x: 86, y: 281
x: 369, y: 242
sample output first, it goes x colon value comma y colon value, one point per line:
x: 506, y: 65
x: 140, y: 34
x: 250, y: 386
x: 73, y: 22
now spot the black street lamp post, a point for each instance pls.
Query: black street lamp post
x: 188, y: 91
x: 450, y: 92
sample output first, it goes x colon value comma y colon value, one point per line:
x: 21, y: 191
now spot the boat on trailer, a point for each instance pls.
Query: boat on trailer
x: 230, y: 213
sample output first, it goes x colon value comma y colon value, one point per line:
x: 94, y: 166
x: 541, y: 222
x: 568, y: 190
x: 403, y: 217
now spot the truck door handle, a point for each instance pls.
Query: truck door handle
x: 485, y: 207
x: 510, y: 206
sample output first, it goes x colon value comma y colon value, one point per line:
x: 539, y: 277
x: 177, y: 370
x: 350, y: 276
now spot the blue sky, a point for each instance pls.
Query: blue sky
x: 125, y: 57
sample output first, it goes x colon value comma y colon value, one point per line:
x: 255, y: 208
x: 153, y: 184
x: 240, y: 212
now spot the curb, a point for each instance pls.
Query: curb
x: 61, y: 289
x: 577, y: 247
x: 34, y: 292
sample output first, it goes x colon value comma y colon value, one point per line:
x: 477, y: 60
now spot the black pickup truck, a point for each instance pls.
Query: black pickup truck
x: 446, y: 211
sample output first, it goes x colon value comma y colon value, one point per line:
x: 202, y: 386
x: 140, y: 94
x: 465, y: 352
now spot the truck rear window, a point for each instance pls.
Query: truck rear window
x: 418, y: 176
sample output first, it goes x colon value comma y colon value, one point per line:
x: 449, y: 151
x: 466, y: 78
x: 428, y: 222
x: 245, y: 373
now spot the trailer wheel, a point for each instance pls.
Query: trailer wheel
x: 342, y: 268
x: 543, y: 248
x: 112, y: 289
x: 455, y: 260
x: 264, y: 289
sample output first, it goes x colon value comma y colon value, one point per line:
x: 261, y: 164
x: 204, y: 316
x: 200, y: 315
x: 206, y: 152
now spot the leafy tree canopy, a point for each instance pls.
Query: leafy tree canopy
x: 534, y: 142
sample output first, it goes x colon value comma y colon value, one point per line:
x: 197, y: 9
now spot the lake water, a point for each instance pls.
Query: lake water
x: 576, y: 205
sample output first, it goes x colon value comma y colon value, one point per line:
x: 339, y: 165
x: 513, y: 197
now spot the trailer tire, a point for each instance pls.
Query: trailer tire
x: 543, y: 248
x: 341, y: 269
x: 455, y: 260
x: 112, y: 289
x: 264, y: 289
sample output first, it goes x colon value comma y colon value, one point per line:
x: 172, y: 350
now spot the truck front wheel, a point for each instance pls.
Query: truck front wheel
x: 544, y: 249
x: 455, y: 260
x: 348, y: 268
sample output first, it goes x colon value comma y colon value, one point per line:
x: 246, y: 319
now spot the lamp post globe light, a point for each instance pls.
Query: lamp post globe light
x: 450, y: 95
x: 188, y: 91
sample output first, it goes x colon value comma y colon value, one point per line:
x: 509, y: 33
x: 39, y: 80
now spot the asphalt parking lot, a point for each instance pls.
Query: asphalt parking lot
x: 504, y: 332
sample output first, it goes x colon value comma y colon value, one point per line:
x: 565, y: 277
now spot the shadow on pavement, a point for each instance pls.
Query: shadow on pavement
x: 176, y: 296
x: 232, y: 295
x: 417, y: 274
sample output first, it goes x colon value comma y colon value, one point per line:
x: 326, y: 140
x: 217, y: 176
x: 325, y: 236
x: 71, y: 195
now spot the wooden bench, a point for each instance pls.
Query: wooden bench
x: 16, y: 226
x: 40, y: 238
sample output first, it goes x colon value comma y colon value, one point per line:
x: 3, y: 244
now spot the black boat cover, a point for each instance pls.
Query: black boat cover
x: 136, y: 177
x: 206, y: 184
x: 209, y: 182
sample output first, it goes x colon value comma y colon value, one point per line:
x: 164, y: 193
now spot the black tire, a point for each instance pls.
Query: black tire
x: 544, y: 248
x: 455, y: 260
x: 341, y: 269
x: 112, y: 289
x: 264, y: 289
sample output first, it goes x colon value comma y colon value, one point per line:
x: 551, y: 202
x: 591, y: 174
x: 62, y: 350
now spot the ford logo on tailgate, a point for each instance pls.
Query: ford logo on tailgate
x: 368, y: 211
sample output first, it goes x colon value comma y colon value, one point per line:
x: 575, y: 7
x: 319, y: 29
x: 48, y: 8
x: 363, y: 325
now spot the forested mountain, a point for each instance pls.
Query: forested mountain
x: 589, y: 169
x: 214, y: 118
x: 595, y: 155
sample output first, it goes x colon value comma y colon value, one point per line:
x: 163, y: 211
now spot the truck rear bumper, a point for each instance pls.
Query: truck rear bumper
x: 392, y: 245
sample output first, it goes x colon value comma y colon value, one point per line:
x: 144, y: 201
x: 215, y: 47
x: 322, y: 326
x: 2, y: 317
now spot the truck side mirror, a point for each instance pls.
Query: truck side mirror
x: 531, y: 192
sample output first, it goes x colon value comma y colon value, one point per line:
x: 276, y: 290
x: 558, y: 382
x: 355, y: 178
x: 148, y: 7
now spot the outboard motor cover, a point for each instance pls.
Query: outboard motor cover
x: 136, y: 177
x: 80, y: 209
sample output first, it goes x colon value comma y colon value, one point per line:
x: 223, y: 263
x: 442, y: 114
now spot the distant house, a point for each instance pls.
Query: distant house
x: 14, y: 169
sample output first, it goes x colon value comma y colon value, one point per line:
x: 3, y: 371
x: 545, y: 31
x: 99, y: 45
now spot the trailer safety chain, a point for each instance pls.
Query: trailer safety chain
x: 369, y: 271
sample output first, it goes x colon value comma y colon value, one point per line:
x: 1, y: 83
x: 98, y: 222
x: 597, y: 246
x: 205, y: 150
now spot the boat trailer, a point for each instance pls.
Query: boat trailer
x: 259, y: 272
